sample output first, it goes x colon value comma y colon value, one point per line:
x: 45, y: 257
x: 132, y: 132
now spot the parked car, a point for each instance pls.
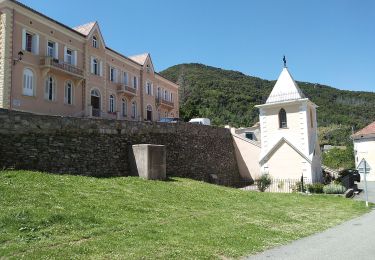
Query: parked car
x: 200, y: 121
x: 170, y: 120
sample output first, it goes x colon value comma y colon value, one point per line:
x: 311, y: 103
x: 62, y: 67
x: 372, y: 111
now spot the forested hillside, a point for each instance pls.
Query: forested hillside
x: 229, y: 97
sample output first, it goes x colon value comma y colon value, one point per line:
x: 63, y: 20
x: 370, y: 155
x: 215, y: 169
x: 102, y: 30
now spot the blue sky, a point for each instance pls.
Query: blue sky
x: 325, y: 41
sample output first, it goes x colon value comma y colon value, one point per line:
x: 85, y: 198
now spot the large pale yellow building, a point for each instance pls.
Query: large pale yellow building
x: 49, y: 68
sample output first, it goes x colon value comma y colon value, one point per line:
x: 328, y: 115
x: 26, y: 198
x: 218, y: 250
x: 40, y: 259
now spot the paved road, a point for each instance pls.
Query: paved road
x: 354, y: 239
x: 371, y: 192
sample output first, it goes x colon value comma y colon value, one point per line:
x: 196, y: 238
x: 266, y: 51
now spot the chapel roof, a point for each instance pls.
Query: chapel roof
x: 285, y: 89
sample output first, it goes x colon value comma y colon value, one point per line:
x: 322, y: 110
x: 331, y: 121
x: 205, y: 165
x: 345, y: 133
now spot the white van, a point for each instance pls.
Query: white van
x: 200, y: 121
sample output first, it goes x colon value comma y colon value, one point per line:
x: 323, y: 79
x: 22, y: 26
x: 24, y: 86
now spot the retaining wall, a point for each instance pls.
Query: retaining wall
x: 100, y: 147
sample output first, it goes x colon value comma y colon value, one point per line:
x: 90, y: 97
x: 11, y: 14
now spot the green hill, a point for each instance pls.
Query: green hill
x: 46, y: 216
x: 228, y: 97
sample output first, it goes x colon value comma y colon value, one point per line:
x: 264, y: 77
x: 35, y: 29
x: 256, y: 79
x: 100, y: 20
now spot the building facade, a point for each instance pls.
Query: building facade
x: 49, y: 68
x: 289, y: 135
x: 364, y: 148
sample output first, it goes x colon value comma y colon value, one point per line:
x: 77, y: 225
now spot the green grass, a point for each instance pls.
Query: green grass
x: 61, y: 216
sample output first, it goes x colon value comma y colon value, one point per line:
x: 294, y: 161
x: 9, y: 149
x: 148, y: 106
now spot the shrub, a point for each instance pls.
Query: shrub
x: 334, y: 189
x: 264, y: 182
x: 298, y: 187
x: 315, y: 188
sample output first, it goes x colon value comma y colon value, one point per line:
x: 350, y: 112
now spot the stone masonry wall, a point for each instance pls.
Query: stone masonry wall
x: 99, y: 147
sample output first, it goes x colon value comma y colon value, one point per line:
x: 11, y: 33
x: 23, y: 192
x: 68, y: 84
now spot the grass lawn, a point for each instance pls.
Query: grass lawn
x: 61, y: 216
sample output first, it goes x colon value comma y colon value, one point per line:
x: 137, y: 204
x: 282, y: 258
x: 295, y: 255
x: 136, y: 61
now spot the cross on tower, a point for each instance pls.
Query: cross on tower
x: 284, y: 60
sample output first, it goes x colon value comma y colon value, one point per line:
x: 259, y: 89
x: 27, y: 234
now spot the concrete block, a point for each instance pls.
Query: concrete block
x: 148, y: 161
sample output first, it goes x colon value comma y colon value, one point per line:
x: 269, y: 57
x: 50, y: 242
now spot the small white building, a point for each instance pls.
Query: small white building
x: 364, y: 148
x: 289, y: 135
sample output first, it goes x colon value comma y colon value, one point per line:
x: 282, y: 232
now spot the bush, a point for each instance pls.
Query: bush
x: 334, y: 189
x: 264, y: 182
x: 315, y: 188
x: 298, y: 187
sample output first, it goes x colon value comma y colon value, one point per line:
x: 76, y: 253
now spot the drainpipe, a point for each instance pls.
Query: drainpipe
x: 141, y: 92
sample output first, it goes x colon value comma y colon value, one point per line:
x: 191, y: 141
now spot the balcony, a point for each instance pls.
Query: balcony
x: 162, y: 102
x: 50, y: 63
x: 122, y: 88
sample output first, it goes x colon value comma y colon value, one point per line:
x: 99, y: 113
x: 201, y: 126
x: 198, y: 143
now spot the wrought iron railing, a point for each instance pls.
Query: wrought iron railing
x: 125, y: 88
x: 49, y: 61
x: 162, y: 101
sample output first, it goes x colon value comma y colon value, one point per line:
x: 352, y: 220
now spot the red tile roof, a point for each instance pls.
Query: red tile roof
x: 370, y: 129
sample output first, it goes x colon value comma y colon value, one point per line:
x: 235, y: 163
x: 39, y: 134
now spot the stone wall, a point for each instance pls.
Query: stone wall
x: 99, y: 147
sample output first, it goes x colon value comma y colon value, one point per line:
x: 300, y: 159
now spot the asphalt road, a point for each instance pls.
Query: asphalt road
x: 354, y: 239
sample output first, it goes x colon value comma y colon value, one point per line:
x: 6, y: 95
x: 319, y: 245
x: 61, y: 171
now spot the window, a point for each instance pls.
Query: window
x: 68, y: 98
x: 111, y: 104
x: 171, y: 97
x: 112, y: 74
x: 249, y: 135
x: 30, y: 41
x: 311, y: 119
x: 49, y: 91
x: 51, y: 49
x: 282, y: 118
x: 94, y: 42
x: 124, y: 107
x: 158, y: 93
x: 28, y: 82
x: 126, y: 78
x: 135, y: 82
x: 165, y: 95
x: 148, y: 88
x: 134, y: 109
x: 148, y: 68
x: 69, y: 56
x: 96, y: 67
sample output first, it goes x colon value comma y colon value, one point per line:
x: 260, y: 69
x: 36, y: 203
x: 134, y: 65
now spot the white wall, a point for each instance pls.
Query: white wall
x: 247, y: 155
x: 365, y: 148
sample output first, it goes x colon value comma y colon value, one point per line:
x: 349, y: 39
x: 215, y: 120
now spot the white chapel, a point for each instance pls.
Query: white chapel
x: 289, y: 145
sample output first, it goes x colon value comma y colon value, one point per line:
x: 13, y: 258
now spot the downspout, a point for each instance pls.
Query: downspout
x: 141, y: 92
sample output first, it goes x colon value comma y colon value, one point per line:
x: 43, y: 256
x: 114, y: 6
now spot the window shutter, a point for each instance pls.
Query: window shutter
x: 101, y: 68
x: 46, y: 88
x: 152, y: 89
x: 65, y: 50
x: 66, y: 94
x: 75, y: 58
x: 56, y: 50
x: 35, y: 44
x: 92, y: 64
x: 23, y: 39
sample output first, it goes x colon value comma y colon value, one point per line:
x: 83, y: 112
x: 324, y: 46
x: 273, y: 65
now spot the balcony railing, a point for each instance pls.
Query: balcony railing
x: 162, y: 101
x: 55, y: 63
x: 122, y: 88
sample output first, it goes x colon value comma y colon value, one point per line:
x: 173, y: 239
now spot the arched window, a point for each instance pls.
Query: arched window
x: 282, y: 118
x: 49, y: 90
x: 68, y: 97
x: 134, y: 109
x: 311, y: 119
x: 124, y: 107
x: 28, y: 82
x: 111, y: 103
x: 94, y: 42
x: 149, y: 113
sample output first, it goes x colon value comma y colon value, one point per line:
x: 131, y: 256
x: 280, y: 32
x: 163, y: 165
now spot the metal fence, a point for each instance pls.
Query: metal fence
x: 281, y: 185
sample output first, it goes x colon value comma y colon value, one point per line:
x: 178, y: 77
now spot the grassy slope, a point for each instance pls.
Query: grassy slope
x: 56, y: 216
